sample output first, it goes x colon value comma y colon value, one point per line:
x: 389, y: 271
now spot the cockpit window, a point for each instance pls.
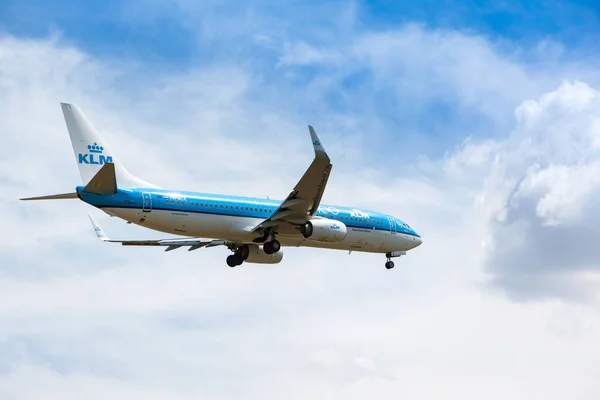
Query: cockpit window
x: 404, y: 224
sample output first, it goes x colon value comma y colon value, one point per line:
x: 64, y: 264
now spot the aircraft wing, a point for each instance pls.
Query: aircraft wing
x: 303, y: 202
x: 171, y: 244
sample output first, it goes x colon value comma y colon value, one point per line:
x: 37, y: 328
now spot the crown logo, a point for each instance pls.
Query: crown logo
x: 94, y: 148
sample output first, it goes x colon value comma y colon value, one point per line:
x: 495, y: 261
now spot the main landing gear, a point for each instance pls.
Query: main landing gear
x: 272, y: 246
x: 239, y: 255
x: 389, y: 264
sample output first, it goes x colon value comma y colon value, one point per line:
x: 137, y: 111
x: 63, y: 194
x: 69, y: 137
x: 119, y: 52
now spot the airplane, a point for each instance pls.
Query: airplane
x: 253, y: 229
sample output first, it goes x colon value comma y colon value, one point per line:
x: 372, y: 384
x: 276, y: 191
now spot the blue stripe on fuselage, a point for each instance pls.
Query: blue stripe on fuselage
x: 249, y: 207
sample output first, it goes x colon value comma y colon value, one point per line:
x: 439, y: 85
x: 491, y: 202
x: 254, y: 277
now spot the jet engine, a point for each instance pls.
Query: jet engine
x: 324, y: 230
x: 256, y: 255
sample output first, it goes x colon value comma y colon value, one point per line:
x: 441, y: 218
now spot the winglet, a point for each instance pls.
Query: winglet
x: 319, y: 149
x: 99, y: 232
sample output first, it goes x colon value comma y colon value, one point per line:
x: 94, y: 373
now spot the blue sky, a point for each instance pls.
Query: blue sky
x: 103, y: 25
x: 182, y: 35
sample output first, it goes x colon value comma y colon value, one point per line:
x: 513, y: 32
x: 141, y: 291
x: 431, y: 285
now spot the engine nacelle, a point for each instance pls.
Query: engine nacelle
x: 257, y: 255
x: 324, y: 230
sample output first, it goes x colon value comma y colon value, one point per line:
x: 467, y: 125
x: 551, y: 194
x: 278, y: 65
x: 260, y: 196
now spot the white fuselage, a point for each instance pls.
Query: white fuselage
x: 237, y: 229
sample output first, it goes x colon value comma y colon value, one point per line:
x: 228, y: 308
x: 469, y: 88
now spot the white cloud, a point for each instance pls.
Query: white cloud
x: 303, y: 54
x: 86, y: 317
x: 540, y: 196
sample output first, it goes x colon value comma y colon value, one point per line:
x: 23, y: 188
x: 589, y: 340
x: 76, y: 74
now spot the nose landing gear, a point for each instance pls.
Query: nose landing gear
x: 390, y: 264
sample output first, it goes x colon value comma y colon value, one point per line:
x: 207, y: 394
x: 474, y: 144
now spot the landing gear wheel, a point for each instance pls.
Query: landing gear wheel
x: 389, y: 264
x: 234, y: 260
x: 272, y: 247
x: 243, y: 252
x: 275, y: 245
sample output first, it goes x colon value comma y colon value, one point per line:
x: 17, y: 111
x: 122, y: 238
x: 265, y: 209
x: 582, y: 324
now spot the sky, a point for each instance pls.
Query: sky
x: 478, y: 123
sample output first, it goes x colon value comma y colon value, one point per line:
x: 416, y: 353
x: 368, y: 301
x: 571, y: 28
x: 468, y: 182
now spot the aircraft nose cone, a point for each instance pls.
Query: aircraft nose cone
x: 417, y: 241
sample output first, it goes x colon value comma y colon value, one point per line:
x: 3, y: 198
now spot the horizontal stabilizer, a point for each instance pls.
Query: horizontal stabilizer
x: 104, y: 182
x: 53, y: 197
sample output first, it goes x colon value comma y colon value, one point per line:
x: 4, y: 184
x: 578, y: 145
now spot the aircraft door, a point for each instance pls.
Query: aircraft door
x: 146, y: 202
x: 392, y: 225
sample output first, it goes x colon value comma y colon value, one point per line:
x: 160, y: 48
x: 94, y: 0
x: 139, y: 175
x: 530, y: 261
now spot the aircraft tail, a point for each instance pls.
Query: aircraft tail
x: 92, y: 152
